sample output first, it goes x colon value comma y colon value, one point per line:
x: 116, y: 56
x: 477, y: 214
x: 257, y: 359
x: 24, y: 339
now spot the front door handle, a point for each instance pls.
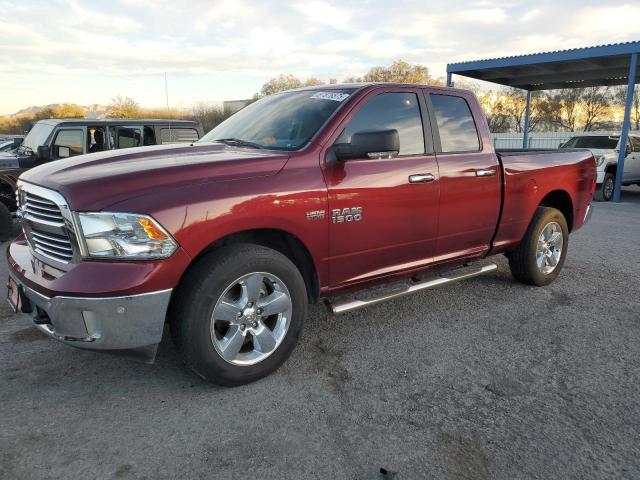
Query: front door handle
x: 485, y: 172
x: 421, y: 178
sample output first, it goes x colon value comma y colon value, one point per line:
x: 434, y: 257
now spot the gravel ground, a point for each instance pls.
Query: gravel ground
x: 482, y: 379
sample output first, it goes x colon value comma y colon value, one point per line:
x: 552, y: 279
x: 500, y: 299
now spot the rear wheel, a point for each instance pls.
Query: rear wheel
x: 605, y: 192
x: 239, y: 313
x: 540, y: 256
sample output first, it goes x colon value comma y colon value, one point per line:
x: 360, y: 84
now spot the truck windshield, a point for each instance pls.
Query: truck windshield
x: 286, y: 121
x: 37, y: 136
x: 592, y: 141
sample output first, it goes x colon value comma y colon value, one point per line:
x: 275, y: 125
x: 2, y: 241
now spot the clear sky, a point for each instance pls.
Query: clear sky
x: 89, y: 51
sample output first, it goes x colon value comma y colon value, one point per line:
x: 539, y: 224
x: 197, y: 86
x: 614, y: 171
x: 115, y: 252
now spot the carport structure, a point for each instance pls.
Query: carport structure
x: 615, y: 64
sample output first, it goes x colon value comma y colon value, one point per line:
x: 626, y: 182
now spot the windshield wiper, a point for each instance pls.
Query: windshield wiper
x: 238, y: 142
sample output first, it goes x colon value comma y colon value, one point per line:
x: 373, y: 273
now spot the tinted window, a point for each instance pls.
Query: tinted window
x: 68, y: 143
x: 455, y: 123
x: 178, y: 135
x: 635, y: 144
x: 127, y: 137
x: 399, y: 111
x: 593, y: 141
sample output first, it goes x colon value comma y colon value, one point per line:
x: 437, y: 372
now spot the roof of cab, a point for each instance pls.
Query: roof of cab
x: 360, y: 86
x: 117, y: 121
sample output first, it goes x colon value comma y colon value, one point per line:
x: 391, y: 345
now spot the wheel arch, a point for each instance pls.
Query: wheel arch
x: 611, y: 168
x: 560, y: 200
x: 7, y: 191
x: 280, y: 240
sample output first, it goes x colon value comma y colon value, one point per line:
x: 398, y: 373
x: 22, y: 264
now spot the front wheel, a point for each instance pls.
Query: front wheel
x: 238, y: 314
x: 541, y: 254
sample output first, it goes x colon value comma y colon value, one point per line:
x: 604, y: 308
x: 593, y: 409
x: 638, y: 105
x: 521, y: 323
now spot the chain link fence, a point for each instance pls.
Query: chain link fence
x: 542, y: 139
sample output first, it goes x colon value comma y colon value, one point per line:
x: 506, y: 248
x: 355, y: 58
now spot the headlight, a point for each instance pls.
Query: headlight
x: 599, y: 160
x: 126, y: 236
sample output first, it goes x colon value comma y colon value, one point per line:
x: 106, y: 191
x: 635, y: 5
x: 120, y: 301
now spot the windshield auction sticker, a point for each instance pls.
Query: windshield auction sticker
x: 335, y: 96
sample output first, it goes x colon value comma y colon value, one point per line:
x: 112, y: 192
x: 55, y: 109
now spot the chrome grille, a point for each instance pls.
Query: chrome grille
x: 47, y: 223
x: 51, y: 245
x: 41, y: 209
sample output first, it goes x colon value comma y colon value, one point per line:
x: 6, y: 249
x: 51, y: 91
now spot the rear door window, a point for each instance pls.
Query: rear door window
x: 178, y: 135
x: 68, y: 143
x: 399, y: 111
x: 126, y: 137
x: 458, y: 132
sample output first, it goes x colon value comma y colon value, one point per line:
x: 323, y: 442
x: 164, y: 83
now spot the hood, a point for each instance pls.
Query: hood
x: 603, y: 151
x: 97, y: 180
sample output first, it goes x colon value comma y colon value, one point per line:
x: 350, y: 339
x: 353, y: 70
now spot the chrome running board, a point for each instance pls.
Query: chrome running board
x: 443, y: 278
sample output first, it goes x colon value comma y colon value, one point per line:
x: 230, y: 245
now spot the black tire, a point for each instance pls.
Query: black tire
x: 6, y: 223
x: 604, y: 193
x: 198, y: 293
x: 522, y: 260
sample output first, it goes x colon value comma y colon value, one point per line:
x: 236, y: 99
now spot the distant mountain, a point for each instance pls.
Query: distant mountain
x: 94, y: 110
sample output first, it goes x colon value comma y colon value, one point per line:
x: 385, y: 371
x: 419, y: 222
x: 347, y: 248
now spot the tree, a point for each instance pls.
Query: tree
x: 123, y: 107
x: 515, y: 107
x: 495, y: 110
x: 312, y: 82
x: 596, y: 101
x: 561, y: 108
x: 280, y: 84
x: 399, y: 72
x: 620, y: 97
x: 68, y: 110
x: 44, y: 113
x: 209, y: 116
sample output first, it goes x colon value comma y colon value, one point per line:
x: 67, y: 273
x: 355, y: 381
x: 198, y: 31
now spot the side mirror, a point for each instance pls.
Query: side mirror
x: 17, y: 142
x: 44, y: 153
x: 368, y: 144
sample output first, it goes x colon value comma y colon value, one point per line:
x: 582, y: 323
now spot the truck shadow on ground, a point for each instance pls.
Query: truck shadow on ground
x: 317, y: 354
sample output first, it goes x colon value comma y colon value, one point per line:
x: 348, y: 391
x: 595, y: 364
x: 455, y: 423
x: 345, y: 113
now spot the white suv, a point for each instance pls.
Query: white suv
x: 605, y: 150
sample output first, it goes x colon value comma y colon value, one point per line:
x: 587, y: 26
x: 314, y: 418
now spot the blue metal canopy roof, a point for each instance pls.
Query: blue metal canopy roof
x: 575, y: 68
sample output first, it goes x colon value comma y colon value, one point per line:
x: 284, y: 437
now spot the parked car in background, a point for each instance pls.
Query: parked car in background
x: 10, y: 145
x: 305, y: 195
x: 605, y: 149
x: 9, y: 137
x: 54, y: 139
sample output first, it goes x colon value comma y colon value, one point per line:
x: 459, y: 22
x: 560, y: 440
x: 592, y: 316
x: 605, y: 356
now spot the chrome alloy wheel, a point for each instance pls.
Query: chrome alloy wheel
x: 549, y: 248
x: 251, y: 318
x: 608, y: 187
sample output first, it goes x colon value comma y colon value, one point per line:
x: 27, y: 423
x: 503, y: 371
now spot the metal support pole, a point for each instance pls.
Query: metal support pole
x: 624, y: 134
x: 449, y: 82
x: 527, y: 115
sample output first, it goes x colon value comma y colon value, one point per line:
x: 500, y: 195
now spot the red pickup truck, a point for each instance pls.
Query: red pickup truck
x: 309, y: 194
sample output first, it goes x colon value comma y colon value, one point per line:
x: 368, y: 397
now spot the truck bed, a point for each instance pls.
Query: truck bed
x: 530, y: 175
x: 504, y: 152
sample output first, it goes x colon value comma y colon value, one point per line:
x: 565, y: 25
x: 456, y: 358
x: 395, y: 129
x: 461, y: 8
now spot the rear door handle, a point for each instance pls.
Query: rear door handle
x: 421, y: 178
x: 485, y: 172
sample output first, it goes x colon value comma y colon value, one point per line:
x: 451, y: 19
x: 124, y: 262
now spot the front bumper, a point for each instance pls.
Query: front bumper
x: 130, y: 325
